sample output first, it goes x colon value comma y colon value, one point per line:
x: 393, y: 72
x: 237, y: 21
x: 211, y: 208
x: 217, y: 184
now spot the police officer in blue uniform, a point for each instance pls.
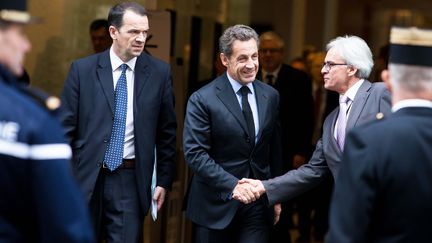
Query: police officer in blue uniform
x: 39, y: 200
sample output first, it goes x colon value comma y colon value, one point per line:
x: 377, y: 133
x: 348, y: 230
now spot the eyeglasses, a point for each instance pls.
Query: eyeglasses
x: 328, y: 65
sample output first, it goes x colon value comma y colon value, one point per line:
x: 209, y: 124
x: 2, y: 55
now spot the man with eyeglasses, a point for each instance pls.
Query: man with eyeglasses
x: 347, y: 64
x: 386, y: 175
x: 296, y: 113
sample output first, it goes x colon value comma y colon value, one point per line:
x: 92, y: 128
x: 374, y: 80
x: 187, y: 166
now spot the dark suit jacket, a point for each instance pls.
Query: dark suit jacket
x: 296, y: 112
x: 369, y: 100
x: 87, y: 113
x: 384, y: 191
x: 217, y: 148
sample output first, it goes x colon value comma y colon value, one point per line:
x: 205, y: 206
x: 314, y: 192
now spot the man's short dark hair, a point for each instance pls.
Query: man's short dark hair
x: 237, y: 32
x: 99, y: 23
x: 115, y: 16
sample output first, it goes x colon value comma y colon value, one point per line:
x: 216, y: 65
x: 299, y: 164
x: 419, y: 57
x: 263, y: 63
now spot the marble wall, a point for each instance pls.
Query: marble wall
x: 61, y: 37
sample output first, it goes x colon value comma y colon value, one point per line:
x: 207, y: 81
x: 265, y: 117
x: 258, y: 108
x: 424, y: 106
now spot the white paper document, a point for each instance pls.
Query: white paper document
x: 153, y: 206
x: 153, y: 209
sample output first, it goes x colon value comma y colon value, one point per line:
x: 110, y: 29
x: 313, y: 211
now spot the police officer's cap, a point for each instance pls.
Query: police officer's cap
x: 411, y: 46
x: 15, y: 11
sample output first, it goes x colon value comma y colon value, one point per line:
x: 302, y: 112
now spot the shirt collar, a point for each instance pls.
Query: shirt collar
x: 411, y: 103
x: 274, y: 73
x: 116, y: 62
x: 351, y: 92
x: 236, y: 85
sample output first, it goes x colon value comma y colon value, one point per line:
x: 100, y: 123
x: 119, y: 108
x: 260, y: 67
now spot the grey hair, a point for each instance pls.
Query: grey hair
x: 271, y: 35
x: 233, y: 33
x: 355, y: 52
x: 413, y: 79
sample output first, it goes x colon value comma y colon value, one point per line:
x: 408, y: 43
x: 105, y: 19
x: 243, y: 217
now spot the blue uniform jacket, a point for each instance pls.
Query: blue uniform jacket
x: 39, y: 199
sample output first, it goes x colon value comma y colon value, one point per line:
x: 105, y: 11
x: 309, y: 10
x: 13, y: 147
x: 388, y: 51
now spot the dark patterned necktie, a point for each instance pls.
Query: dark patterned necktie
x: 270, y: 79
x: 247, y: 113
x: 114, y: 153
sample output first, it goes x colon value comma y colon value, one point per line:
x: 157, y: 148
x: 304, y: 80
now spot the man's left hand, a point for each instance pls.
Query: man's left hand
x: 159, y: 196
x: 277, y: 212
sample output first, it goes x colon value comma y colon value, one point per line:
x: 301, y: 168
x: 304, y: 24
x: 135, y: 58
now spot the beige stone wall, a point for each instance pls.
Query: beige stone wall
x: 44, y: 36
x: 60, y: 38
x: 63, y: 35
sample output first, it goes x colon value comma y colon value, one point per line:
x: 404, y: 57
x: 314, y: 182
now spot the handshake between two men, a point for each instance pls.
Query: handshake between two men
x: 250, y: 190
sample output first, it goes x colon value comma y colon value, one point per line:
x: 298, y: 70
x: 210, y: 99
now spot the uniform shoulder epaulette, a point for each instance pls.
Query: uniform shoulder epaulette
x: 49, y: 102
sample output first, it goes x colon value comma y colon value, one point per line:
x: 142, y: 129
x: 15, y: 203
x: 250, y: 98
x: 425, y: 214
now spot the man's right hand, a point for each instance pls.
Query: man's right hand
x: 248, y: 190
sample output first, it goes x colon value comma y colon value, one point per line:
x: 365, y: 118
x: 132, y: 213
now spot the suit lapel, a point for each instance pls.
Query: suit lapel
x: 142, y: 74
x: 227, y: 96
x: 358, y: 104
x: 105, y: 78
x: 333, y: 118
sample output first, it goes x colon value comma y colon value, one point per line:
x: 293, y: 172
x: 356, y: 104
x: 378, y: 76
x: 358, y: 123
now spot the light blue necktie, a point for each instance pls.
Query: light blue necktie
x: 114, y: 153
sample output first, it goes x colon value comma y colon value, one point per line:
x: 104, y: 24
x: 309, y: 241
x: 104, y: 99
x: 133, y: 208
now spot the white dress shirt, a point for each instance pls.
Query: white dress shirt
x: 411, y: 103
x: 251, y: 99
x: 351, y: 93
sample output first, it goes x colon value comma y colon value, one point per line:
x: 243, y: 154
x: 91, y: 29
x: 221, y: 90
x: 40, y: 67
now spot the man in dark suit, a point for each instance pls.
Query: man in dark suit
x: 296, y: 114
x: 384, y: 191
x: 118, y: 111
x: 296, y: 102
x: 39, y: 198
x: 99, y: 35
x: 229, y: 126
x: 347, y: 64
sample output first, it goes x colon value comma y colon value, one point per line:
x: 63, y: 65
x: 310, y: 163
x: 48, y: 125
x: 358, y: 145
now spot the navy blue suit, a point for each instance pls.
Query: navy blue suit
x: 40, y: 200
x: 87, y: 114
x: 296, y: 116
x: 384, y: 189
x: 218, y: 150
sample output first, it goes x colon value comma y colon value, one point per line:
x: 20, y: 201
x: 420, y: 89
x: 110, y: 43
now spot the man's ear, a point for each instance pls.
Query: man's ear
x: 385, y: 76
x: 224, y: 59
x: 352, y: 71
x: 112, y: 31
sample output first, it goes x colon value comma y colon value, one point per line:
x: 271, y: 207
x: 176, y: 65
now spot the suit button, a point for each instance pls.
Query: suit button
x: 99, y: 164
x: 105, y: 141
x: 247, y: 140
